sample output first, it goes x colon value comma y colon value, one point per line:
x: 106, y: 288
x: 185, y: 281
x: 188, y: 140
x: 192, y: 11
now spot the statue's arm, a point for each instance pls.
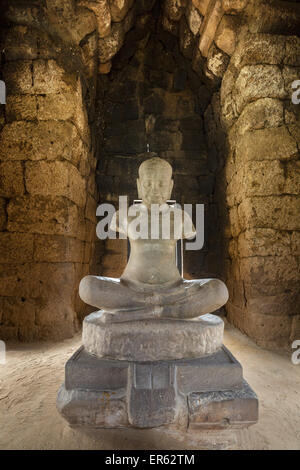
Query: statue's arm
x: 188, y: 228
x: 117, y: 224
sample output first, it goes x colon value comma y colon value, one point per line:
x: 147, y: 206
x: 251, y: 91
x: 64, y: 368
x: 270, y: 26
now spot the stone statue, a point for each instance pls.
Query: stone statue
x: 151, y: 286
x: 152, y: 355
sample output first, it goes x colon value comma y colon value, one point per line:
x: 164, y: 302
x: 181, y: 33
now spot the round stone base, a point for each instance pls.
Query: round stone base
x: 152, y: 340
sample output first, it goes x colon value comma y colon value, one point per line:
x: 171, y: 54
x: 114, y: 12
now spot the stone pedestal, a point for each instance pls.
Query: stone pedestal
x: 120, y: 378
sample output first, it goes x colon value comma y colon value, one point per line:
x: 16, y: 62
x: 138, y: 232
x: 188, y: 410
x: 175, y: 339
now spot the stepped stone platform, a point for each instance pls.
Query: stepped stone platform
x: 204, y: 392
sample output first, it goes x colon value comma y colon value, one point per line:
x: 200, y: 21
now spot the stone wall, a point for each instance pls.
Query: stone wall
x: 207, y: 84
x: 47, y: 194
x: 263, y: 183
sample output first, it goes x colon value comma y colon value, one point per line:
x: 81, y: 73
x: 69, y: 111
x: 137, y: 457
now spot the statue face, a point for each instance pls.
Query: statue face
x: 155, y: 186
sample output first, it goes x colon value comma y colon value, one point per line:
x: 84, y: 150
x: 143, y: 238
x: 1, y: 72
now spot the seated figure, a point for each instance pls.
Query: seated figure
x: 151, y: 285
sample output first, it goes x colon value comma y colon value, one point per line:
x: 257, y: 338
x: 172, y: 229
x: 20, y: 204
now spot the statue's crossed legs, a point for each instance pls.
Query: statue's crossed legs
x: 121, y: 302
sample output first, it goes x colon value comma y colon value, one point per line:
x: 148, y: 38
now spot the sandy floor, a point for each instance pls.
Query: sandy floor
x: 33, y: 373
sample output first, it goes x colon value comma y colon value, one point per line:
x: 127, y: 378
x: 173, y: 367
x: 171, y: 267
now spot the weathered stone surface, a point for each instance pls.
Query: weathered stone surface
x: 11, y: 179
x: 42, y: 214
x: 111, y: 44
x: 103, y: 15
x: 152, y: 400
x: 219, y: 371
x: 60, y: 106
x: 55, y: 179
x: 226, y: 34
x: 194, y: 19
x: 201, y: 5
x: 48, y: 140
x: 268, y: 330
x: 260, y: 114
x: 174, y: 9
x: 217, y: 61
x: 218, y: 410
x: 17, y: 312
x: 258, y: 81
x: 104, y: 409
x: 16, y: 247
x: 152, y: 340
x: 186, y: 39
x: 20, y: 42
x: 18, y: 77
x: 292, y: 51
x: 277, y: 212
x: 264, y: 242
x: 209, y: 26
x: 233, y: 6
x: 257, y: 49
x: 269, y: 270
x: 85, y: 371
x: 119, y: 9
x: 267, y: 144
x: 50, y: 77
x: 58, y: 248
x: 20, y: 107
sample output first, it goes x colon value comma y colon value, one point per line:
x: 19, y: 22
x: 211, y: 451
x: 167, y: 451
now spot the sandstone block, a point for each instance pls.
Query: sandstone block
x: 50, y: 77
x: 258, y: 81
x: 60, y: 106
x: 209, y: 26
x: 264, y: 242
x: 262, y: 113
x: 292, y: 52
x: 260, y: 49
x: 217, y: 410
x: 266, y: 144
x: 47, y: 178
x: 18, y: 77
x: 16, y: 247
x: 49, y: 140
x: 276, y: 212
x: 42, y: 214
x: 57, y: 249
x: 226, y: 34
x: 104, y: 409
x: 20, y: 107
x: 11, y: 179
x: 20, y: 42
x: 18, y: 311
x: 269, y: 269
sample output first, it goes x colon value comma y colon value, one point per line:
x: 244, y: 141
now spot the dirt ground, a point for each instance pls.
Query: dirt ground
x: 33, y: 373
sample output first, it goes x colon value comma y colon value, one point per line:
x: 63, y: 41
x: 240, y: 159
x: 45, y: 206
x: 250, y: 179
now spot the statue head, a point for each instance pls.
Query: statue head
x: 155, y: 181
